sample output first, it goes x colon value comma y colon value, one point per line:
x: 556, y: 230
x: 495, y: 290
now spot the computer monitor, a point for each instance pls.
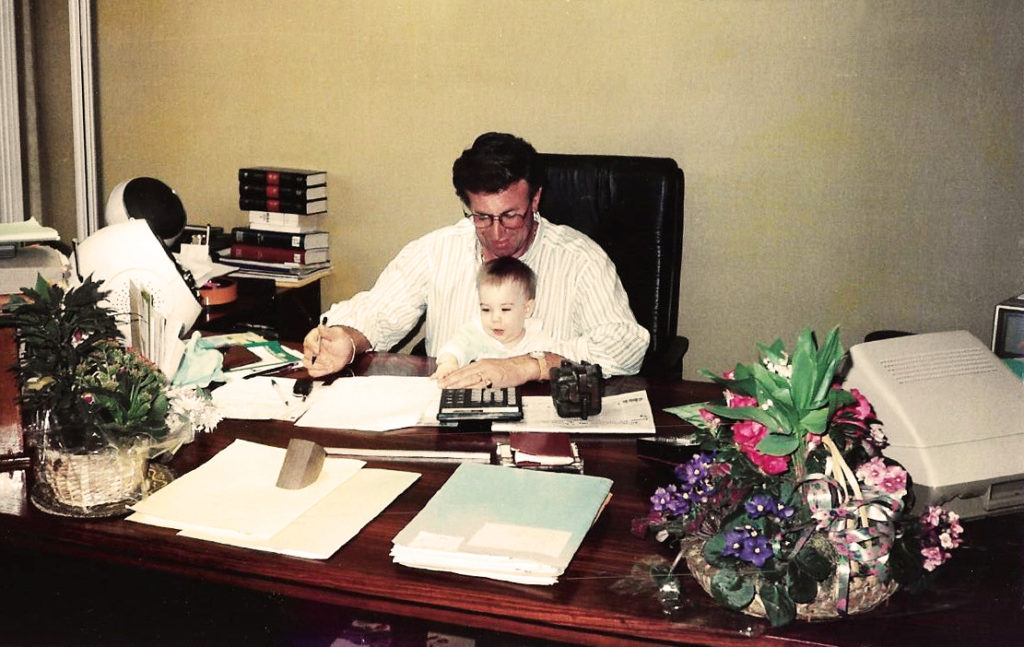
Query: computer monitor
x: 1008, y: 328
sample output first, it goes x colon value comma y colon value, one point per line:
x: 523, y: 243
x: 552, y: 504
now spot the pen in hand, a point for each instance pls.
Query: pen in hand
x: 320, y: 340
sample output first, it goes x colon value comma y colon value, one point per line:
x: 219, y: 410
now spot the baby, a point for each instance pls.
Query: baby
x: 507, y: 289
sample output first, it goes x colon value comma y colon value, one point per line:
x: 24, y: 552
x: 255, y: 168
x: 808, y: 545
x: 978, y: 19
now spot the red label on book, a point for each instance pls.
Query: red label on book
x: 273, y: 191
x: 273, y: 205
x: 273, y: 177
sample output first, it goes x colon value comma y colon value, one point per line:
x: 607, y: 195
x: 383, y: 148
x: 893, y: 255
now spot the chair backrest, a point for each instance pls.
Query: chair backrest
x: 633, y: 208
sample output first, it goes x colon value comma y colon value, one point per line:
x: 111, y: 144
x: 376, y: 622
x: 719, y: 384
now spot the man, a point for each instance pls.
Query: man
x: 579, y: 296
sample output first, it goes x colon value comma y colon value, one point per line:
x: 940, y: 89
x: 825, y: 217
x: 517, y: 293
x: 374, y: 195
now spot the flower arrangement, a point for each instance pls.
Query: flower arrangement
x: 90, y: 390
x: 790, y: 508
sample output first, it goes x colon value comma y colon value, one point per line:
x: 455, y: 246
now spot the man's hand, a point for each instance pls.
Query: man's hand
x: 327, y: 349
x: 498, y: 373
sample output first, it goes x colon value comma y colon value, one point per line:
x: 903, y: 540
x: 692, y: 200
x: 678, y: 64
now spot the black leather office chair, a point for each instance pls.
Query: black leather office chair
x: 633, y: 208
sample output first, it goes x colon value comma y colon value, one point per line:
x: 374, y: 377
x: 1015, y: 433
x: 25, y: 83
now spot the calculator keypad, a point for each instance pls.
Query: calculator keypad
x: 480, y: 404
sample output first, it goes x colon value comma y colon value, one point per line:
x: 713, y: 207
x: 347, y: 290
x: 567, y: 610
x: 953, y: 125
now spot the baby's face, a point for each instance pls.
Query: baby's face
x: 503, y: 311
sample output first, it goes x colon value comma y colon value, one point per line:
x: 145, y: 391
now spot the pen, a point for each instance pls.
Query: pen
x: 274, y: 369
x: 277, y: 388
x: 323, y: 322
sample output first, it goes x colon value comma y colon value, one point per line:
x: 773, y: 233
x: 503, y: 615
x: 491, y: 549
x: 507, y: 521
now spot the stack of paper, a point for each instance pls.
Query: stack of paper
x: 154, y: 335
x: 26, y: 231
x: 503, y: 523
x: 233, y: 499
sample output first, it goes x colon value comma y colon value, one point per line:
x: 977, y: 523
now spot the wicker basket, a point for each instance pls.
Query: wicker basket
x: 88, y: 480
x: 865, y: 594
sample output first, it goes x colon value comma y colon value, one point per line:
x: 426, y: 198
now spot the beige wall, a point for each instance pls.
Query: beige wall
x: 850, y: 163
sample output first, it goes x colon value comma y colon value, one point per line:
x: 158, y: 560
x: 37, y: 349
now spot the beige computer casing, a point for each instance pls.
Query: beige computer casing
x: 954, y: 417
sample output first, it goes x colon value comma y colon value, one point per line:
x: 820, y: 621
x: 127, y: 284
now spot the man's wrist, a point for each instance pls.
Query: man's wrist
x: 541, y: 359
x: 355, y: 338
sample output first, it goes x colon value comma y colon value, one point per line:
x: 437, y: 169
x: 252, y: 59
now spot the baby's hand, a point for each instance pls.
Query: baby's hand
x: 445, y: 366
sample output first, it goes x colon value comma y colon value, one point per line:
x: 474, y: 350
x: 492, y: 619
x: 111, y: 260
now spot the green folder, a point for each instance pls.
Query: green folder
x: 503, y: 523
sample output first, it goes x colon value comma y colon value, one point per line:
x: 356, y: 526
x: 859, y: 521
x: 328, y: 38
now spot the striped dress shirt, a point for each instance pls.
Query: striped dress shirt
x: 580, y: 299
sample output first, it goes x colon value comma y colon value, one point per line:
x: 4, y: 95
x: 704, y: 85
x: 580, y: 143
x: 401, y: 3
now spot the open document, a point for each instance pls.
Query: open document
x: 502, y: 523
x: 372, y: 403
x: 233, y: 499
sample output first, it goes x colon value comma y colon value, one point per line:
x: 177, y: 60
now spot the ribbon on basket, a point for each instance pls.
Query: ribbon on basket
x: 861, y: 529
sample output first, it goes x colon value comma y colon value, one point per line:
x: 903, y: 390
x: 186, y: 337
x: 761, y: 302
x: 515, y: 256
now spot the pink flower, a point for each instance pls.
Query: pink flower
x: 861, y: 410
x: 890, y: 479
x: 895, y: 481
x: 873, y: 472
x: 933, y: 558
x: 771, y: 465
x: 735, y: 400
x: 708, y: 416
x: 932, y: 516
x: 747, y: 433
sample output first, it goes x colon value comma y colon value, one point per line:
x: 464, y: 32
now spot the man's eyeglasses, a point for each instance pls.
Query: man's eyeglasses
x: 507, y: 220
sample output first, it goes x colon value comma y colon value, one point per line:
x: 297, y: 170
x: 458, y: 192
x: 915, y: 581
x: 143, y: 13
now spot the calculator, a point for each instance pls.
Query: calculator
x: 480, y: 404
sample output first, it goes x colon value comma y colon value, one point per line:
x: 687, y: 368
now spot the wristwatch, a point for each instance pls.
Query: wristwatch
x: 542, y: 361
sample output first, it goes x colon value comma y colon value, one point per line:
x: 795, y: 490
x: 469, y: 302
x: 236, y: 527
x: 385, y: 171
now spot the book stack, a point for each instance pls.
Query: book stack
x: 283, y: 239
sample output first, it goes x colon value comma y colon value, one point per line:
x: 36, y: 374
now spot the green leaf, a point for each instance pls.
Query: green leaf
x: 778, y: 444
x: 815, y: 421
x: 690, y: 413
x: 805, y: 371
x: 744, y: 413
x: 732, y: 589
x: 810, y: 561
x: 778, y: 606
x: 713, y: 550
x: 829, y: 357
x: 802, y: 588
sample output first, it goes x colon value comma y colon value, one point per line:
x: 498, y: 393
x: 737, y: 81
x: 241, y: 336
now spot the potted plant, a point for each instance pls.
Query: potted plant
x: 790, y: 509
x: 97, y: 411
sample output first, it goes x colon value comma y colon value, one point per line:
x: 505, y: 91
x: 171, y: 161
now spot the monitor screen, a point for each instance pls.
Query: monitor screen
x: 1008, y: 331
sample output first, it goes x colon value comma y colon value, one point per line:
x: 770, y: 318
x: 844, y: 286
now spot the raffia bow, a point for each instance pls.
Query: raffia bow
x: 862, y: 530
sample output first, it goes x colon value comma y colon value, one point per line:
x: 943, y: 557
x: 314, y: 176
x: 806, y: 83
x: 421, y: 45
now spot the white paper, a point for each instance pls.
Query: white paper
x: 330, y: 524
x: 196, y: 259
x: 510, y: 537
x: 626, y: 413
x: 373, y: 403
x: 259, y: 399
x: 236, y: 492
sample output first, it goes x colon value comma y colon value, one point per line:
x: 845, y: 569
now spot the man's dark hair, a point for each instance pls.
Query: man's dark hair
x: 493, y: 163
x: 508, y: 269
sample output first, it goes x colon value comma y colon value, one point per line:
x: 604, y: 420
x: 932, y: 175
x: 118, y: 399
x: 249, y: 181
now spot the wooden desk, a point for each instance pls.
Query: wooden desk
x: 977, y: 602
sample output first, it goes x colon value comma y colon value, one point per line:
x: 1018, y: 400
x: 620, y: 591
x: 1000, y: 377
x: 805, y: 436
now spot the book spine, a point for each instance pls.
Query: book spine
x: 269, y: 238
x: 280, y: 217
x: 278, y: 178
x: 279, y: 192
x: 267, y: 254
x: 282, y: 206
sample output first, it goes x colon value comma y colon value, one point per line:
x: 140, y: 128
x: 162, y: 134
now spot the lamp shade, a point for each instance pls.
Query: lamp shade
x: 149, y: 199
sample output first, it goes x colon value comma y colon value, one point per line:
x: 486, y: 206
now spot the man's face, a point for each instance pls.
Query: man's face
x: 499, y: 240
x: 504, y: 309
